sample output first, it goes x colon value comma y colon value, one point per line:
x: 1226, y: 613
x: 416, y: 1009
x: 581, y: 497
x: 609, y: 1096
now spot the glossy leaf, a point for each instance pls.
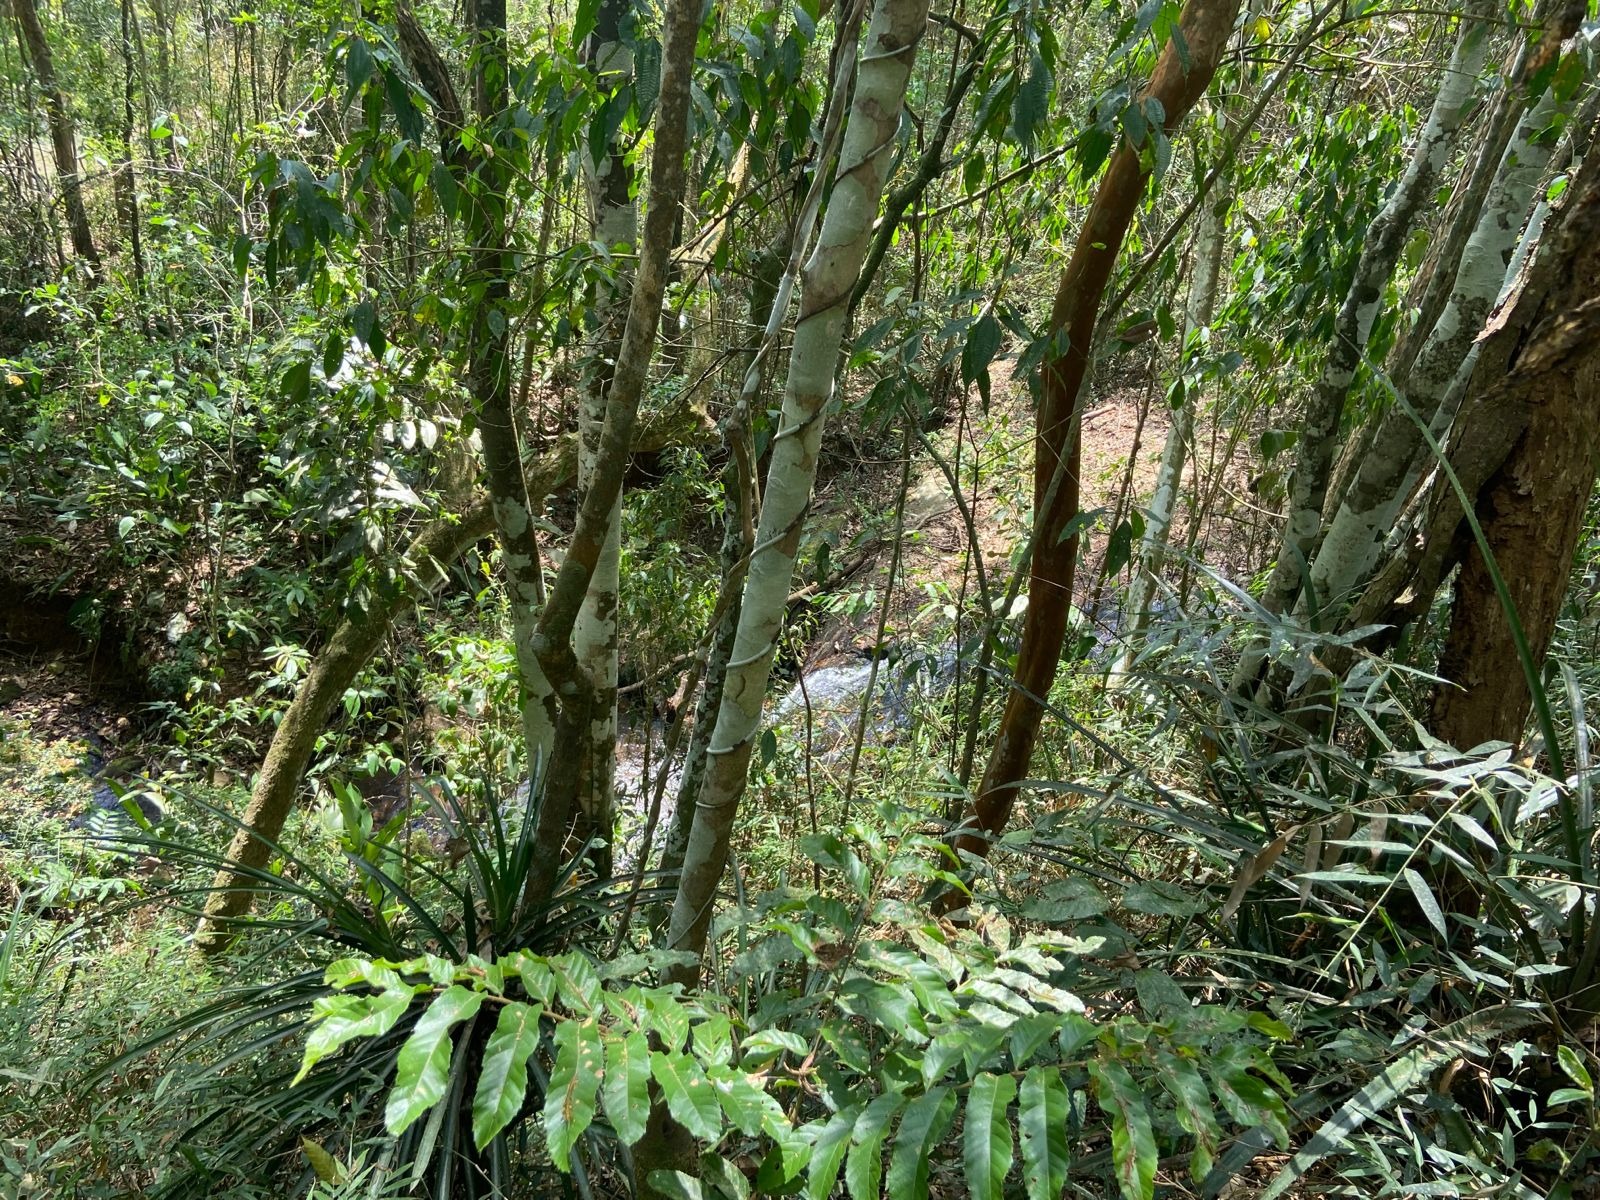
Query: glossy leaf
x: 626, y: 1087
x: 503, y: 1077
x: 569, y: 1105
x: 987, y: 1147
x: 423, y: 1066
x: 1133, y: 1142
x: 689, y: 1095
x: 1042, y: 1121
x: 925, y: 1120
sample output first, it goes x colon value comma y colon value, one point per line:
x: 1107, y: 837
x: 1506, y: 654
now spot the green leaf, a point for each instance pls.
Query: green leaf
x: 1133, y: 1142
x: 926, y: 1118
x: 1042, y: 1120
x: 828, y: 1151
x: 1425, y: 899
x: 987, y: 1150
x: 676, y: 1185
x: 503, y: 1078
x: 689, y: 1095
x: 1187, y: 1086
x: 626, y: 1087
x: 574, y: 1082
x: 1161, y: 899
x: 1250, y: 1101
x: 1066, y: 900
x: 422, y: 1068
x: 863, y: 1168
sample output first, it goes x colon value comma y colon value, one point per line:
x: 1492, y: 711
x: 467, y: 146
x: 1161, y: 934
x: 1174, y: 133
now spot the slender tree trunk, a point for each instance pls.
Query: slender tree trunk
x: 553, y: 638
x: 1532, y: 508
x: 1356, y: 535
x: 63, y: 135
x: 1181, y: 77
x: 1380, y: 252
x: 826, y: 286
x: 594, y: 635
x: 1210, y: 236
x: 127, y: 184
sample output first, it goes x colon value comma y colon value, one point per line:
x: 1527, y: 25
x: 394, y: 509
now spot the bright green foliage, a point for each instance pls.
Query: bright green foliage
x: 504, y: 1079
x: 423, y: 1067
x: 574, y: 1082
x: 1043, y: 1124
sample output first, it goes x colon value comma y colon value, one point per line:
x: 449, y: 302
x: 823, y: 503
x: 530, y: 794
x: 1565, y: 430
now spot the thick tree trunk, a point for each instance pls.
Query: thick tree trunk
x: 1356, y: 535
x: 1532, y: 508
x: 827, y: 283
x: 63, y: 135
x: 1181, y: 76
x: 1380, y: 252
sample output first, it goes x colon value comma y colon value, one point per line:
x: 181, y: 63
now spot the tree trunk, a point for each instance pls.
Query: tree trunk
x: 63, y: 136
x: 338, y: 663
x: 1532, y: 508
x: 1380, y: 252
x: 594, y: 634
x: 127, y: 184
x: 1210, y: 237
x: 827, y: 283
x: 553, y: 638
x: 1181, y: 76
x: 1356, y: 535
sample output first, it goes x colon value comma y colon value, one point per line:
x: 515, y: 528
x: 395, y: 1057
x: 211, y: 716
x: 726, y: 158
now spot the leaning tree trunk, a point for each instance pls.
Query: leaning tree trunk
x: 1532, y: 508
x: 1380, y: 252
x: 63, y: 136
x: 594, y: 634
x: 1208, y: 243
x: 1355, y: 537
x: 350, y: 648
x: 1181, y: 77
x: 826, y: 286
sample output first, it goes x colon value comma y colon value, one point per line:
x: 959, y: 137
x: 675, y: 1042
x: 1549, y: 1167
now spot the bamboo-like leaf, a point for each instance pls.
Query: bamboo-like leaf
x: 1133, y: 1142
x: 1453, y: 1041
x: 574, y: 1082
x: 988, y: 1148
x: 1042, y: 1119
x: 626, y: 1087
x: 423, y: 1066
x: 925, y: 1119
x: 503, y: 1078
x: 1425, y: 899
x: 689, y: 1095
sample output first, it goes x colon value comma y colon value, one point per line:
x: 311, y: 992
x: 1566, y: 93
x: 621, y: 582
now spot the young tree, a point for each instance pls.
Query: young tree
x: 828, y: 280
x: 63, y: 133
x: 1182, y: 74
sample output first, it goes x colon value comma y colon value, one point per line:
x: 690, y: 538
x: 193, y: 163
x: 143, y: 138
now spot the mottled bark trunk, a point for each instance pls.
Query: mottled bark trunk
x: 594, y: 633
x: 553, y: 637
x: 63, y: 133
x: 1181, y: 76
x: 1380, y: 252
x: 829, y: 277
x: 1356, y: 535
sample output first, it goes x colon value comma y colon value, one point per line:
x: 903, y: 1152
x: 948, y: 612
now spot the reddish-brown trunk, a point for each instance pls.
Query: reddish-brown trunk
x: 1532, y: 507
x: 1179, y: 80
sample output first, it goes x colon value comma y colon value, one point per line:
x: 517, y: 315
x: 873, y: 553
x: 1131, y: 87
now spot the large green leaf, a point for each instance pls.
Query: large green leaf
x: 343, y: 1018
x: 626, y: 1087
x: 1133, y: 1142
x: 1042, y: 1119
x: 828, y: 1151
x: 988, y: 1147
x: 574, y: 1083
x: 503, y: 1078
x: 1188, y: 1087
x: 423, y: 1067
x: 689, y: 1095
x: 863, y: 1168
x: 926, y: 1118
